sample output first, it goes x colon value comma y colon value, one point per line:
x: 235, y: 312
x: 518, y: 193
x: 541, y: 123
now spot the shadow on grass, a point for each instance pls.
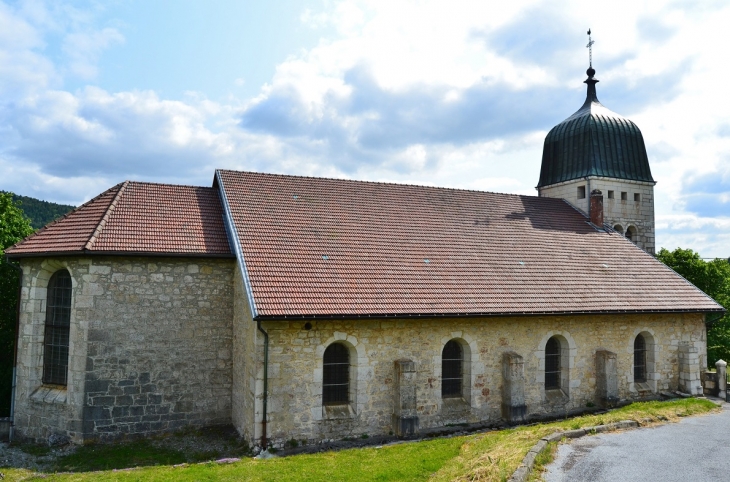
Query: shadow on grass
x: 185, y: 446
x: 120, y: 456
x: 34, y: 449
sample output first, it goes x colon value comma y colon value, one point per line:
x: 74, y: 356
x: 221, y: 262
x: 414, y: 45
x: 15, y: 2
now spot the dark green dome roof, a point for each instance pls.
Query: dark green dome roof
x: 594, y: 142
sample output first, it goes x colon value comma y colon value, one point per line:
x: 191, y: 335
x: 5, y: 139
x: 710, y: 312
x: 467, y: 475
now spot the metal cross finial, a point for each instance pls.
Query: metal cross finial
x: 590, y: 49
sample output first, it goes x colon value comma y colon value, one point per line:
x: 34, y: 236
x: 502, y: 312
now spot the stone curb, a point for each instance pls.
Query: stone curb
x: 523, y: 471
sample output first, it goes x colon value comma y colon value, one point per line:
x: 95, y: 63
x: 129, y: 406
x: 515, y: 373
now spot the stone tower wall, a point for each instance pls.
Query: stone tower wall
x: 616, y: 211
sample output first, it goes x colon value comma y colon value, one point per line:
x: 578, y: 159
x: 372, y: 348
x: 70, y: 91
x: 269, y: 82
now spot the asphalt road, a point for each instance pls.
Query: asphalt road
x: 694, y: 449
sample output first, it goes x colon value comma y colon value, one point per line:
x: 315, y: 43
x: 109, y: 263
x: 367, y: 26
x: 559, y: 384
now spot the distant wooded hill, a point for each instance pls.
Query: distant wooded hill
x: 40, y: 212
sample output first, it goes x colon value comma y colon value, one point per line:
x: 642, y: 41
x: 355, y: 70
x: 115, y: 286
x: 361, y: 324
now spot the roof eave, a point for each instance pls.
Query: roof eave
x: 596, y: 176
x: 49, y: 254
x: 354, y: 316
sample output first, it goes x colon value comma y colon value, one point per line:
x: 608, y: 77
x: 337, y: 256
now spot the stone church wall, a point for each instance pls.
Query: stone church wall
x: 150, y: 347
x: 247, y: 367
x: 295, y: 370
x: 162, y: 343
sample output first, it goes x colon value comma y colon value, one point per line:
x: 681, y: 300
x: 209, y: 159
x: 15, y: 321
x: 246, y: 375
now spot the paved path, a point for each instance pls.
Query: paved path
x: 694, y: 449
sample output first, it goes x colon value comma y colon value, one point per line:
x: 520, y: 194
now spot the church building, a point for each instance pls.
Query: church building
x: 311, y: 309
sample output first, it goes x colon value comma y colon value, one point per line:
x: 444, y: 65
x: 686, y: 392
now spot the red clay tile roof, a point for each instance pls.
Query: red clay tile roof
x: 137, y: 218
x: 324, y: 247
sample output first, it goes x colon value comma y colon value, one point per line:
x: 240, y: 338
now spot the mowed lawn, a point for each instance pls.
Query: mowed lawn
x: 484, y: 457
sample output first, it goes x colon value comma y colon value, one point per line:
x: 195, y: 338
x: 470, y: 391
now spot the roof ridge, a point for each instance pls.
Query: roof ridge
x: 168, y: 184
x: 381, y: 183
x: 56, y: 221
x: 109, y: 210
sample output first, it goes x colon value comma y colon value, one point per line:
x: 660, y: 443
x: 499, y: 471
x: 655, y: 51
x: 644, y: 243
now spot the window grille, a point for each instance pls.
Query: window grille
x: 336, y: 375
x: 58, y: 320
x: 639, y: 359
x: 552, y: 364
x: 452, y: 365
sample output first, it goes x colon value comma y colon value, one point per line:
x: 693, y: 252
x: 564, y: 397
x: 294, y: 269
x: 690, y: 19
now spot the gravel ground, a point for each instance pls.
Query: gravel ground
x: 14, y: 456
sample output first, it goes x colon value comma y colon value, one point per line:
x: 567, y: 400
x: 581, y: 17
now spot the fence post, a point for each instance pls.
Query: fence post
x: 721, y: 366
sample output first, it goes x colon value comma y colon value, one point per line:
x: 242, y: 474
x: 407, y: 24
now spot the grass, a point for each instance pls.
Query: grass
x: 481, y: 457
x: 542, y: 460
x: 34, y: 449
x: 496, y: 455
x: 107, y: 457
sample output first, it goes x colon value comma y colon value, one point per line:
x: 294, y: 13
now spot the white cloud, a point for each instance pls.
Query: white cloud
x: 84, y: 48
x: 455, y: 94
x: 22, y: 68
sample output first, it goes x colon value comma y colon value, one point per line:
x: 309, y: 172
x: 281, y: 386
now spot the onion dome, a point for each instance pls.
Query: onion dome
x: 594, y: 142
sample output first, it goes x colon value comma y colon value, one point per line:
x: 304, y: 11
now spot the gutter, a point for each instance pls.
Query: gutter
x: 266, y: 385
x: 711, y: 321
x: 15, y: 350
x: 235, y: 243
x: 146, y: 254
x: 355, y: 316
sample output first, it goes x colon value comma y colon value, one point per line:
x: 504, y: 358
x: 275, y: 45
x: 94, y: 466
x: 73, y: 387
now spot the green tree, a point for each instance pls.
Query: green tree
x: 14, y: 226
x: 712, y: 277
x: 40, y: 212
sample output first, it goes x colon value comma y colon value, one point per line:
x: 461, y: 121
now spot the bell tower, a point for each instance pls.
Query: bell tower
x: 597, y: 149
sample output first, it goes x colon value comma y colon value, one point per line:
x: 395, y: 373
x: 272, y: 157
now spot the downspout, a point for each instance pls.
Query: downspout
x: 11, y: 433
x: 266, y: 384
x: 709, y: 322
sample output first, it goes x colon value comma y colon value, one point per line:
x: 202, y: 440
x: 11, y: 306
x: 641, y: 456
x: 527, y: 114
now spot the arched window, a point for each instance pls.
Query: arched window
x: 631, y: 234
x: 452, y: 373
x: 58, y: 320
x: 618, y: 229
x: 639, y: 359
x: 336, y: 375
x: 552, y: 364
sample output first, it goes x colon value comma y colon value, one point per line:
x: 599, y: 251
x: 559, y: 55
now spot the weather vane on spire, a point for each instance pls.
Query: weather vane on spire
x: 590, y: 49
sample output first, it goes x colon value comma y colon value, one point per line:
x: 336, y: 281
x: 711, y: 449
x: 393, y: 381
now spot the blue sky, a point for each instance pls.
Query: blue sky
x: 458, y: 94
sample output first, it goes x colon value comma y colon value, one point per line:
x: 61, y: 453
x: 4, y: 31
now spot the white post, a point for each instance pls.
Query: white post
x: 721, y: 366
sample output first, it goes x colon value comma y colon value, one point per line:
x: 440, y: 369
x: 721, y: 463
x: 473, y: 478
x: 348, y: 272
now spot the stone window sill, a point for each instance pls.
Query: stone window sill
x: 454, y: 404
x: 337, y: 412
x: 50, y: 394
x: 555, y: 395
x: 643, y: 387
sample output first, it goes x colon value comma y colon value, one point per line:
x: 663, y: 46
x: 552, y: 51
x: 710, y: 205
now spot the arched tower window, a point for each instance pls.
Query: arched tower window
x: 618, y: 229
x: 452, y: 371
x: 639, y: 359
x: 631, y: 234
x: 552, y: 364
x: 58, y: 321
x: 336, y: 375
